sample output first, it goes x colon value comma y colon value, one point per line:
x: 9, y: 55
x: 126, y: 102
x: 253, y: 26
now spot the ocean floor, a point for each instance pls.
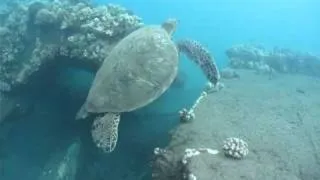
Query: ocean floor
x: 279, y: 118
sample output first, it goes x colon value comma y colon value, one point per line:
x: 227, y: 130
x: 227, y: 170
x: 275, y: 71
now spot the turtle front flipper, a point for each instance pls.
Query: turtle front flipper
x: 105, y: 131
x: 201, y: 56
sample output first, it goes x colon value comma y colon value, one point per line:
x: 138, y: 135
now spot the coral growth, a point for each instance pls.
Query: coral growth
x: 235, y: 148
x: 168, y: 165
x: 279, y: 60
x: 37, y: 34
x: 187, y: 115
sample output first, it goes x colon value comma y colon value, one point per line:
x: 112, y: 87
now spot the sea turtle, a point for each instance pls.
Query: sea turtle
x: 136, y: 72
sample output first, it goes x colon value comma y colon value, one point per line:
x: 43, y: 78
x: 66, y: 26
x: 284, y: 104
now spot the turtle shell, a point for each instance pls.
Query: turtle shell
x: 139, y: 69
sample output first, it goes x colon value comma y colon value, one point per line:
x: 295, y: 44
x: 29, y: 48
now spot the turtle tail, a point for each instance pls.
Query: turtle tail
x: 82, y: 113
x: 201, y: 56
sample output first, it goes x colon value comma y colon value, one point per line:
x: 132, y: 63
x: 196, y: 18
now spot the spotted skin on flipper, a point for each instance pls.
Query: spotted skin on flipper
x: 201, y: 56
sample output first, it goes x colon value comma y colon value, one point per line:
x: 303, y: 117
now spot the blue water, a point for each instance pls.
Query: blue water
x: 218, y: 24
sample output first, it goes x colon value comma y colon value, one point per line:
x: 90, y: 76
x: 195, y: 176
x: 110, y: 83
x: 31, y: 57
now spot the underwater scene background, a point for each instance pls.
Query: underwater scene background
x: 260, y: 120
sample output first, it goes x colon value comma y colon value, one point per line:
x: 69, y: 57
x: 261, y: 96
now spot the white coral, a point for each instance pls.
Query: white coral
x: 189, y: 115
x: 186, y: 115
x: 235, y: 148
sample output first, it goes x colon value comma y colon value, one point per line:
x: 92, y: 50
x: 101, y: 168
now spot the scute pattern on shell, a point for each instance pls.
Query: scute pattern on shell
x: 137, y: 71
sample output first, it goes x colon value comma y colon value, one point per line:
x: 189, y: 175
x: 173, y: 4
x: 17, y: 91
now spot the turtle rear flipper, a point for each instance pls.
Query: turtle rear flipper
x: 105, y: 131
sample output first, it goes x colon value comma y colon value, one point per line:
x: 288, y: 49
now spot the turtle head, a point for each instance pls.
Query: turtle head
x: 170, y: 25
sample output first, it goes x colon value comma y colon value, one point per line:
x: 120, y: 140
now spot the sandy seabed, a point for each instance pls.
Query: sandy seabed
x: 279, y: 118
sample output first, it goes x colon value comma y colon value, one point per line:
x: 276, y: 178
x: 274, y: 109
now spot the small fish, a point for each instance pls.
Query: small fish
x: 301, y: 91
